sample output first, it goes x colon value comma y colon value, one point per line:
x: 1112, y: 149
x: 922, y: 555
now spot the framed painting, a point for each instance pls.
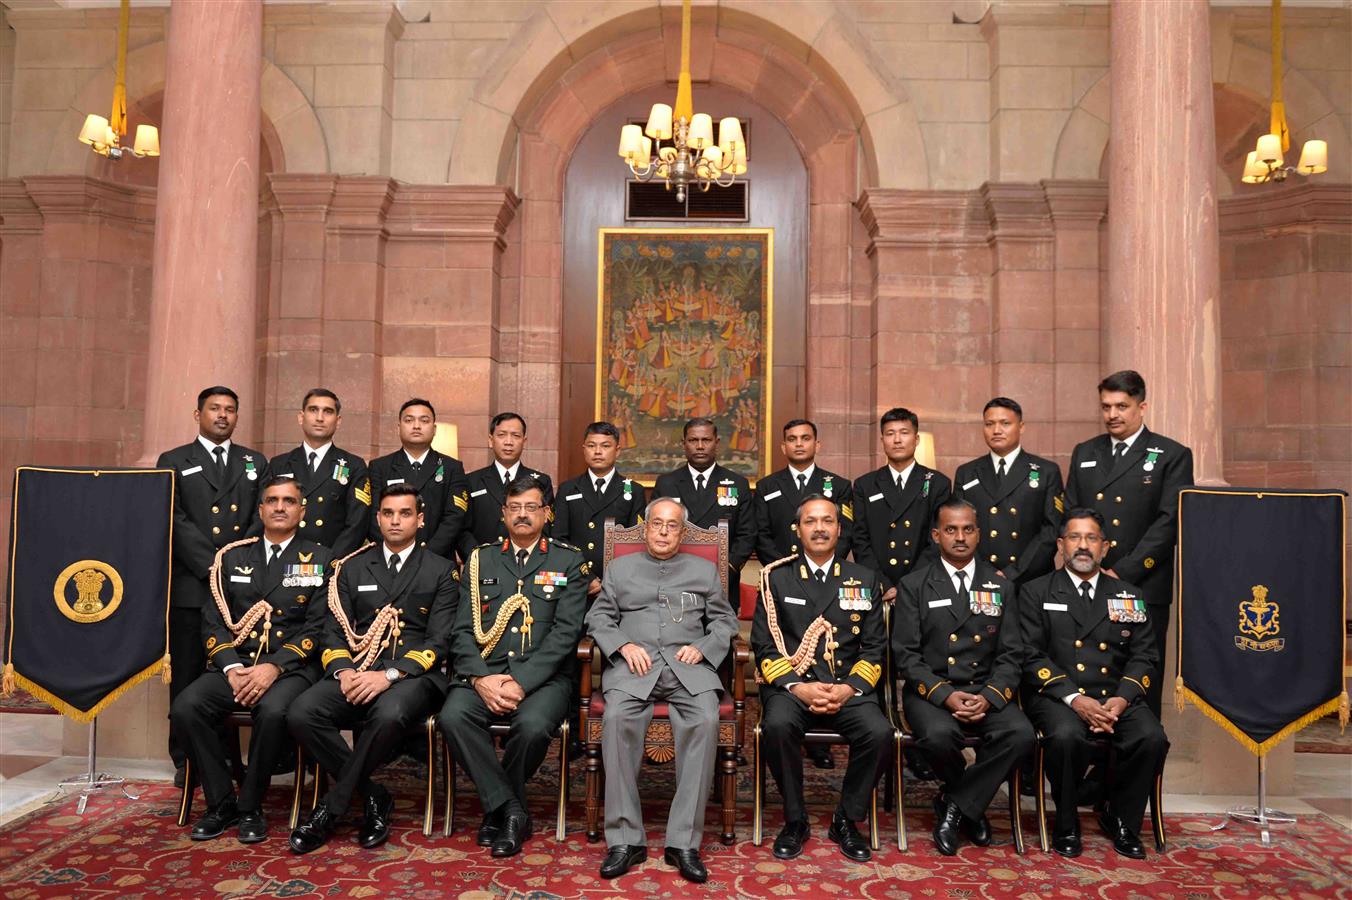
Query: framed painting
x: 685, y: 326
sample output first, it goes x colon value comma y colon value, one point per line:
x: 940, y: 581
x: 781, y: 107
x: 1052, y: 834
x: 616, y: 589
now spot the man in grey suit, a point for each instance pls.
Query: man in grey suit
x: 664, y: 624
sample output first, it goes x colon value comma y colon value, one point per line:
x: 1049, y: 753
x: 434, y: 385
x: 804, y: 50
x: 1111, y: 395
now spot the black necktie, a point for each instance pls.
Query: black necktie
x: 1085, y: 593
x: 394, y: 565
x: 506, y: 480
x: 276, y: 555
x: 220, y: 462
x: 820, y: 575
x: 521, y: 557
x: 964, y: 598
x: 1119, y: 451
x: 1000, y: 471
x: 600, y: 485
x: 802, y: 481
x: 699, y: 483
x: 314, y: 462
x: 417, y: 467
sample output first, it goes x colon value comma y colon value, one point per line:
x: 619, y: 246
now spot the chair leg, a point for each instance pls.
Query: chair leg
x: 298, y: 788
x: 1015, y: 788
x: 561, y: 823
x: 185, y: 801
x: 594, y: 785
x: 448, y: 809
x: 1157, y: 812
x: 1042, y: 798
x: 728, y: 777
x: 429, y: 795
x: 758, y: 786
x: 873, y: 819
x: 319, y: 786
x: 899, y: 778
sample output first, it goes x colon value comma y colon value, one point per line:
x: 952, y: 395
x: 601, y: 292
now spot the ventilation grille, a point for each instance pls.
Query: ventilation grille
x: 652, y: 201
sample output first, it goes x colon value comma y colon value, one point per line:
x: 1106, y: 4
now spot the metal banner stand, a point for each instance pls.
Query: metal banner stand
x: 92, y: 780
x: 1258, y: 815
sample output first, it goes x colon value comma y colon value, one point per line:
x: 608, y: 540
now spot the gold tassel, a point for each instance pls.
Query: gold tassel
x: 1342, y: 712
x: 7, y: 685
x: 166, y: 675
x: 1179, y: 700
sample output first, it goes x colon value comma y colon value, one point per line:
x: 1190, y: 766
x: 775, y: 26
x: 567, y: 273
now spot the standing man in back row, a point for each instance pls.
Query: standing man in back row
x: 602, y: 492
x: 488, y: 486
x: 1131, y: 477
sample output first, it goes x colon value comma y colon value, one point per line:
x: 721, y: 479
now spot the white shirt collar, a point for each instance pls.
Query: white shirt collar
x: 794, y: 473
x: 969, y: 570
x: 211, y: 448
x: 1008, y: 458
x: 267, y: 545
x: 605, y: 479
x: 1076, y: 581
x: 420, y: 460
x: 530, y: 550
x: 901, y: 477
x: 319, y: 452
x: 1127, y: 440
x: 813, y: 568
x: 504, y: 472
x: 402, y: 554
x: 696, y: 473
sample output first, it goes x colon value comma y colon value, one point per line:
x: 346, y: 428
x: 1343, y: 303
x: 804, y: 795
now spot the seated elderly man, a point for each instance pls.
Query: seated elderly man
x: 664, y: 625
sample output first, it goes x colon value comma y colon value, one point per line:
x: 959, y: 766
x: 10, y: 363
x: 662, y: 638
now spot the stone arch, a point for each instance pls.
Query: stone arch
x: 803, y: 38
x: 295, y: 135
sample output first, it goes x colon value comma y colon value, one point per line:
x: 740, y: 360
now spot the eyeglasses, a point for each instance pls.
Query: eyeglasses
x: 529, y: 508
x: 663, y: 526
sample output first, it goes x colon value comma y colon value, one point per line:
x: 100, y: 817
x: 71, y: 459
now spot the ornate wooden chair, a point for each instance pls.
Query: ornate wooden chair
x: 499, y: 728
x: 660, y: 745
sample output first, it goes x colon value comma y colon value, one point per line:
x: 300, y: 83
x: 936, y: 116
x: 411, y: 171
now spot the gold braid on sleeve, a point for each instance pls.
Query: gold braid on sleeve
x: 802, y: 658
x: 260, y: 611
x: 365, y: 647
x: 508, y: 609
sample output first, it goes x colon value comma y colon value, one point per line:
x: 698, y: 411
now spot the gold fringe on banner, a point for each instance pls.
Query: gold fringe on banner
x: 85, y: 715
x: 1255, y: 747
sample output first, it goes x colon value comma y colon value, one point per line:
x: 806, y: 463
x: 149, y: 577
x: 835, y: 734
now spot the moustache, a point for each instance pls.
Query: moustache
x: 1085, y: 553
x: 820, y: 535
x: 521, y: 520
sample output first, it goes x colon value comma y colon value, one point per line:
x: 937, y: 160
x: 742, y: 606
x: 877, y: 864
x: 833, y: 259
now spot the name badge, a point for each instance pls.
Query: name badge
x: 479, y: 493
x: 796, y: 601
x: 241, y: 579
x: 1055, y: 607
x: 193, y: 471
x: 772, y: 495
x: 877, y: 496
x: 1089, y: 464
x: 367, y: 587
x: 573, y: 497
x: 935, y: 604
x: 395, y: 481
x: 971, y: 484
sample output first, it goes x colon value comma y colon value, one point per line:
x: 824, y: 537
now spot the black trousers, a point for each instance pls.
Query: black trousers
x: 1138, y: 743
x: 197, y: 713
x: 1007, y: 739
x: 187, y: 661
x: 319, y: 715
x: 860, y: 721
x: 1154, y: 695
x: 464, y: 720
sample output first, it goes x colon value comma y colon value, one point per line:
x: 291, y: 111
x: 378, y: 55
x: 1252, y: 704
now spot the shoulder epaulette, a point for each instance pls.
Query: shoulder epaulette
x: 565, y: 545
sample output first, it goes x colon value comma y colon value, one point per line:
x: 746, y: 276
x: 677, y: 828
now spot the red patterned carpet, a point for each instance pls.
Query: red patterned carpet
x: 133, y: 848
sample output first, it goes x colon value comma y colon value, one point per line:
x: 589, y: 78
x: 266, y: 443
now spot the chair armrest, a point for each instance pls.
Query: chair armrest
x: 741, y: 658
x: 587, y: 656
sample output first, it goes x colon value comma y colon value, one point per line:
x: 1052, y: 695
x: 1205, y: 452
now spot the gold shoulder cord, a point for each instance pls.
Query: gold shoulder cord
x: 802, y: 658
x: 508, y: 609
x: 261, y: 610
x: 365, y: 647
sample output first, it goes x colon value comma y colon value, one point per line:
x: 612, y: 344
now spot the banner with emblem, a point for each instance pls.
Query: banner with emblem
x: 88, y: 584
x: 1262, y: 600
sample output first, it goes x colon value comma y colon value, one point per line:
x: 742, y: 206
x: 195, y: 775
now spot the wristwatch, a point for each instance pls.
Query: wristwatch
x: 393, y: 675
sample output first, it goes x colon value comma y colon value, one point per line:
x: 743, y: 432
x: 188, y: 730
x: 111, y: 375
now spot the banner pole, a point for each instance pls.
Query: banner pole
x: 93, y: 779
x: 1258, y: 815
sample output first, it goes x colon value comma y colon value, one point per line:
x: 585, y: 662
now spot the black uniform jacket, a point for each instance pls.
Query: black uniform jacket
x: 1020, y: 517
x: 487, y: 494
x: 337, y: 497
x: 891, y: 526
x: 210, y: 512
x: 580, y: 513
x: 296, y: 591
x: 776, y: 506
x: 445, y: 494
x: 726, y: 496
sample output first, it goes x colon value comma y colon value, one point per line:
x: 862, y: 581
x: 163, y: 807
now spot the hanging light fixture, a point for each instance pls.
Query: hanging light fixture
x: 694, y: 156
x: 1267, y: 162
x: 104, y: 136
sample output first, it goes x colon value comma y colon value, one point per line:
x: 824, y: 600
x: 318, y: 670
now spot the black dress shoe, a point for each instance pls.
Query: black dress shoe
x: 1067, y: 843
x: 489, y: 828
x: 852, y: 843
x: 314, y: 832
x: 1125, y: 841
x: 821, y: 757
x: 516, y: 828
x: 216, y: 820
x: 947, y: 831
x: 790, y: 841
x: 253, y: 828
x: 620, y: 858
x: 978, y: 830
x: 375, y: 823
x: 688, y: 863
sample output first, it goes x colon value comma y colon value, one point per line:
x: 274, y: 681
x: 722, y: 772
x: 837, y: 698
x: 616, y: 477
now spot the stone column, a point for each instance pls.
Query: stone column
x: 203, y: 310
x: 1163, y: 303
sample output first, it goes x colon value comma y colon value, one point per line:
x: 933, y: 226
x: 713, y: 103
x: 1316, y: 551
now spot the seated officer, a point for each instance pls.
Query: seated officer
x: 955, y: 640
x: 516, y: 633
x: 1089, y: 660
x: 830, y: 612
x: 395, y: 597
x: 260, y: 634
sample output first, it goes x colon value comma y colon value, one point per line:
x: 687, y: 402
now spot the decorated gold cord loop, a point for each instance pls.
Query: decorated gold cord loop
x: 803, y: 657
x: 518, y: 601
x: 260, y: 611
x: 365, y: 647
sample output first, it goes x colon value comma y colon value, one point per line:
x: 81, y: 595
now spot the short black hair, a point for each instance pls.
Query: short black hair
x: 278, y: 480
x: 798, y: 513
x: 401, y: 489
x: 213, y: 391
x: 899, y: 414
x: 523, y: 484
x: 698, y: 422
x: 604, y: 428
x: 416, y: 401
x: 951, y: 503
x: 322, y: 392
x: 503, y: 417
x: 1081, y: 512
x: 1003, y: 403
x: 794, y: 423
x: 1128, y: 381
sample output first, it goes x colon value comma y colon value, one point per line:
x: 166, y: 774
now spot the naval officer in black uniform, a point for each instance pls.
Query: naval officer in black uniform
x: 488, y: 486
x: 602, y: 492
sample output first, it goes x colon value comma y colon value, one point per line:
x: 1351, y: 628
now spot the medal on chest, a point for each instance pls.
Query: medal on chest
x: 341, y: 471
x: 1125, y: 606
x: 1034, y: 476
x: 1152, y: 454
x: 250, y: 472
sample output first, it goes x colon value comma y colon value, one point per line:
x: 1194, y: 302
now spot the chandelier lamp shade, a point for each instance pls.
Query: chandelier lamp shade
x: 104, y: 136
x: 1266, y: 163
